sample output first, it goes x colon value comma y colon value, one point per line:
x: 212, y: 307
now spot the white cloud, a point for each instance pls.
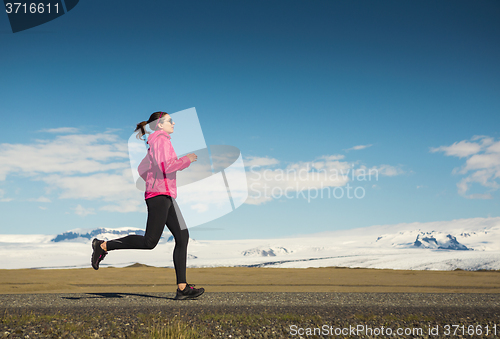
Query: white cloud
x: 494, y: 148
x: 359, y: 147
x: 326, y: 172
x: 200, y: 207
x: 118, y: 189
x: 2, y: 194
x: 125, y: 205
x: 63, y: 130
x: 104, y: 186
x: 460, y: 149
x: 40, y: 199
x: 68, y: 154
x: 78, y: 166
x: 332, y: 157
x: 482, y: 166
x: 82, y: 211
x: 482, y: 161
x: 96, y: 167
x: 388, y: 170
x: 259, y: 161
x: 484, y: 139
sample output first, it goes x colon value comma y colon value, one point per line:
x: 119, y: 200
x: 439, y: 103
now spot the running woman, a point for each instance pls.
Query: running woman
x: 158, y: 169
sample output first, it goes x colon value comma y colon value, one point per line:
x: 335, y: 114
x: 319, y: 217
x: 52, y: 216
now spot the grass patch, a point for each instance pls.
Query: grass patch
x: 173, y: 330
x: 394, y: 318
x: 200, y: 326
x: 162, y: 327
x: 258, y: 319
x: 101, y: 325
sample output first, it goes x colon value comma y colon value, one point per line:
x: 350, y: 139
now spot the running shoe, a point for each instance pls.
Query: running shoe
x: 98, y: 253
x: 189, y: 292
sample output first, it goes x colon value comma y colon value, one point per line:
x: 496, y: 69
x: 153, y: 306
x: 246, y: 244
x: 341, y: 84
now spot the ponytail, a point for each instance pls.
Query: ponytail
x: 153, y: 118
x: 141, y: 129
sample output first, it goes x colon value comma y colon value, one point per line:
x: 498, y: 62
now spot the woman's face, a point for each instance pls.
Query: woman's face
x: 167, y: 125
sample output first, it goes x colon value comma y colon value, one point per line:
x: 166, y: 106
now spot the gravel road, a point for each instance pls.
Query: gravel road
x: 275, y: 315
x: 219, y: 299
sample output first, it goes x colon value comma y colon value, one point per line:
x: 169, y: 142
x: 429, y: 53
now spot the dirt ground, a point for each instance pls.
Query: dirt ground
x: 140, y: 278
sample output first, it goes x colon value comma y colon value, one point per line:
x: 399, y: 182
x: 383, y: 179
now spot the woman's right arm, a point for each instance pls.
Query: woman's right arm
x: 166, y: 159
x: 192, y: 157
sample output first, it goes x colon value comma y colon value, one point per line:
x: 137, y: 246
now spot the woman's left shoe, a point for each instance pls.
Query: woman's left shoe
x: 189, y: 292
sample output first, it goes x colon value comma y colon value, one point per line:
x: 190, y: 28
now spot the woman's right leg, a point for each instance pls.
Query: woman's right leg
x: 157, y: 218
x: 181, y: 237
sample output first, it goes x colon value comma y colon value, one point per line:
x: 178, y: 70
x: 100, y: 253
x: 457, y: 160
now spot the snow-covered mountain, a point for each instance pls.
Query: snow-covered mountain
x: 80, y: 234
x: 264, y: 252
x: 468, y: 244
x: 431, y: 239
x: 101, y: 233
x: 438, y: 240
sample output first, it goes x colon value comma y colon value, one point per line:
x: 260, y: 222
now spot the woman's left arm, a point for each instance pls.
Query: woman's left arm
x: 144, y: 167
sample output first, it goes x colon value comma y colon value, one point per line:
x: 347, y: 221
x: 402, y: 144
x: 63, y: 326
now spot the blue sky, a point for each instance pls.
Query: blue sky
x: 289, y: 83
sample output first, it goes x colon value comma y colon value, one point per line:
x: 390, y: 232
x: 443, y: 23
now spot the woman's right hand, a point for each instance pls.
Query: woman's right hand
x: 192, y: 157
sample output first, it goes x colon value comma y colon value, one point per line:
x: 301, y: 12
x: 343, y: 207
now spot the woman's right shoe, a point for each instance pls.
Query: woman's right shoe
x: 189, y: 292
x: 98, y: 253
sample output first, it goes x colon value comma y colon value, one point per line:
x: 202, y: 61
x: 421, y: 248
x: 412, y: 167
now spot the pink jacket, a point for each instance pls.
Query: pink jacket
x: 159, y: 166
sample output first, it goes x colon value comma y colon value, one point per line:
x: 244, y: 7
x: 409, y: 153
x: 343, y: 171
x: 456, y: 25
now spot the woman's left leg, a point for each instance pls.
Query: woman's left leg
x: 158, y: 208
x: 157, y: 217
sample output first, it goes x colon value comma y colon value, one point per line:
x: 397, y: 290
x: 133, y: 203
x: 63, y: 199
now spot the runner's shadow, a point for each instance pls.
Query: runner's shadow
x: 114, y: 295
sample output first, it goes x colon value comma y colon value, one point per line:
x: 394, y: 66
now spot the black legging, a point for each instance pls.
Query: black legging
x: 161, y: 212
